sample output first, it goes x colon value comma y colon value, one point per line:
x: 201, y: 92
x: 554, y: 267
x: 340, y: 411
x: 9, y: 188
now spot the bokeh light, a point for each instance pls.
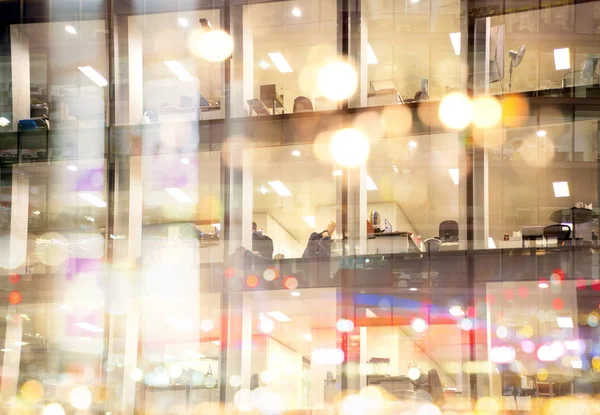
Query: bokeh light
x: 266, y: 325
x: 136, y: 374
x: 414, y: 373
x: 337, y: 81
x: 235, y: 381
x: 502, y: 354
x: 419, y: 325
x: 52, y: 249
x: 466, y: 324
x: 251, y: 281
x: 175, y: 371
x: 527, y: 346
x: 515, y: 110
x: 487, y: 112
x: 397, y: 120
x: 542, y: 374
x: 327, y: 356
x: 456, y: 111
x: 215, y: 45
x: 53, y: 409
x: 349, y: 147
x: 271, y: 274
x: 80, y: 397
x: 501, y: 332
x: 344, y: 325
x: 32, y: 391
x: 429, y: 409
x: 290, y: 282
x: 15, y: 297
x: 487, y: 405
x: 207, y: 325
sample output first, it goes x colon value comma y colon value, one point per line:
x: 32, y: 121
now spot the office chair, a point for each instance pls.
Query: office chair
x: 432, y: 244
x: 449, y: 231
x: 562, y: 233
x: 303, y: 104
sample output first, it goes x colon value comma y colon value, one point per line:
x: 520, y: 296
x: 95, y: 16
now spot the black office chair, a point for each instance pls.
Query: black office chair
x: 449, y: 231
x: 303, y: 104
x: 432, y: 244
x: 562, y: 234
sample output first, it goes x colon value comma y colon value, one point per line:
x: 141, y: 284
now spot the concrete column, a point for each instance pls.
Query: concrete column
x: 357, y: 211
x: 12, y: 356
x: 136, y: 71
x: 242, y: 62
x: 20, y: 75
x: 19, y: 220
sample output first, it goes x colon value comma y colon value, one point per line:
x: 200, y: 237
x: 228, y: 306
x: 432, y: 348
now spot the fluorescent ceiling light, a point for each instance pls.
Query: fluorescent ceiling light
x: 371, y: 57
x: 296, y: 12
x: 562, y: 59
x: 310, y: 220
x: 456, y: 311
x: 178, y: 194
x: 280, y: 62
x: 541, y: 133
x: 561, y: 189
x: 296, y: 153
x: 412, y: 144
x: 4, y: 121
x: 94, y: 76
x: 454, y: 175
x: 337, y: 172
x: 455, y: 40
x: 412, y: 289
x: 491, y: 243
x: 36, y: 212
x: 370, y: 313
x: 280, y: 188
x: 279, y: 316
x: 395, y: 169
x: 70, y: 29
x: 370, y: 183
x: 183, y: 22
x: 263, y: 190
x: 89, y: 327
x: 295, y: 294
x: 216, y: 342
x: 184, y: 161
x: 543, y: 284
x: 72, y: 167
x: 307, y: 337
x: 564, y: 322
x: 263, y: 64
x: 178, y: 69
x: 576, y: 363
x: 94, y: 200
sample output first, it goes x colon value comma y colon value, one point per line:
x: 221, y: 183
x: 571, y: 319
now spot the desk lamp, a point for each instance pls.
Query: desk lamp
x: 515, y: 59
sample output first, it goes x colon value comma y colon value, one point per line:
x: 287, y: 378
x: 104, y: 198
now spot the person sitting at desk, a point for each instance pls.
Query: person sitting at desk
x: 319, y: 244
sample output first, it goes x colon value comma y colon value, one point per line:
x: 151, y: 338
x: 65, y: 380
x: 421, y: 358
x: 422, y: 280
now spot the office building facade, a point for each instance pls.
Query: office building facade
x: 306, y: 207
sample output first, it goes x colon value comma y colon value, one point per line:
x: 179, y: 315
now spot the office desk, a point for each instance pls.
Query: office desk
x: 389, y: 243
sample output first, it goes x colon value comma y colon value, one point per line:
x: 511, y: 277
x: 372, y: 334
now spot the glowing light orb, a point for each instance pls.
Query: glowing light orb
x: 53, y: 409
x: 487, y: 112
x: 419, y: 325
x: 349, y: 147
x: 215, y: 46
x: 456, y: 111
x: 414, y: 373
x: 337, y: 81
x: 344, y: 325
x: 80, y: 397
x: 136, y: 374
